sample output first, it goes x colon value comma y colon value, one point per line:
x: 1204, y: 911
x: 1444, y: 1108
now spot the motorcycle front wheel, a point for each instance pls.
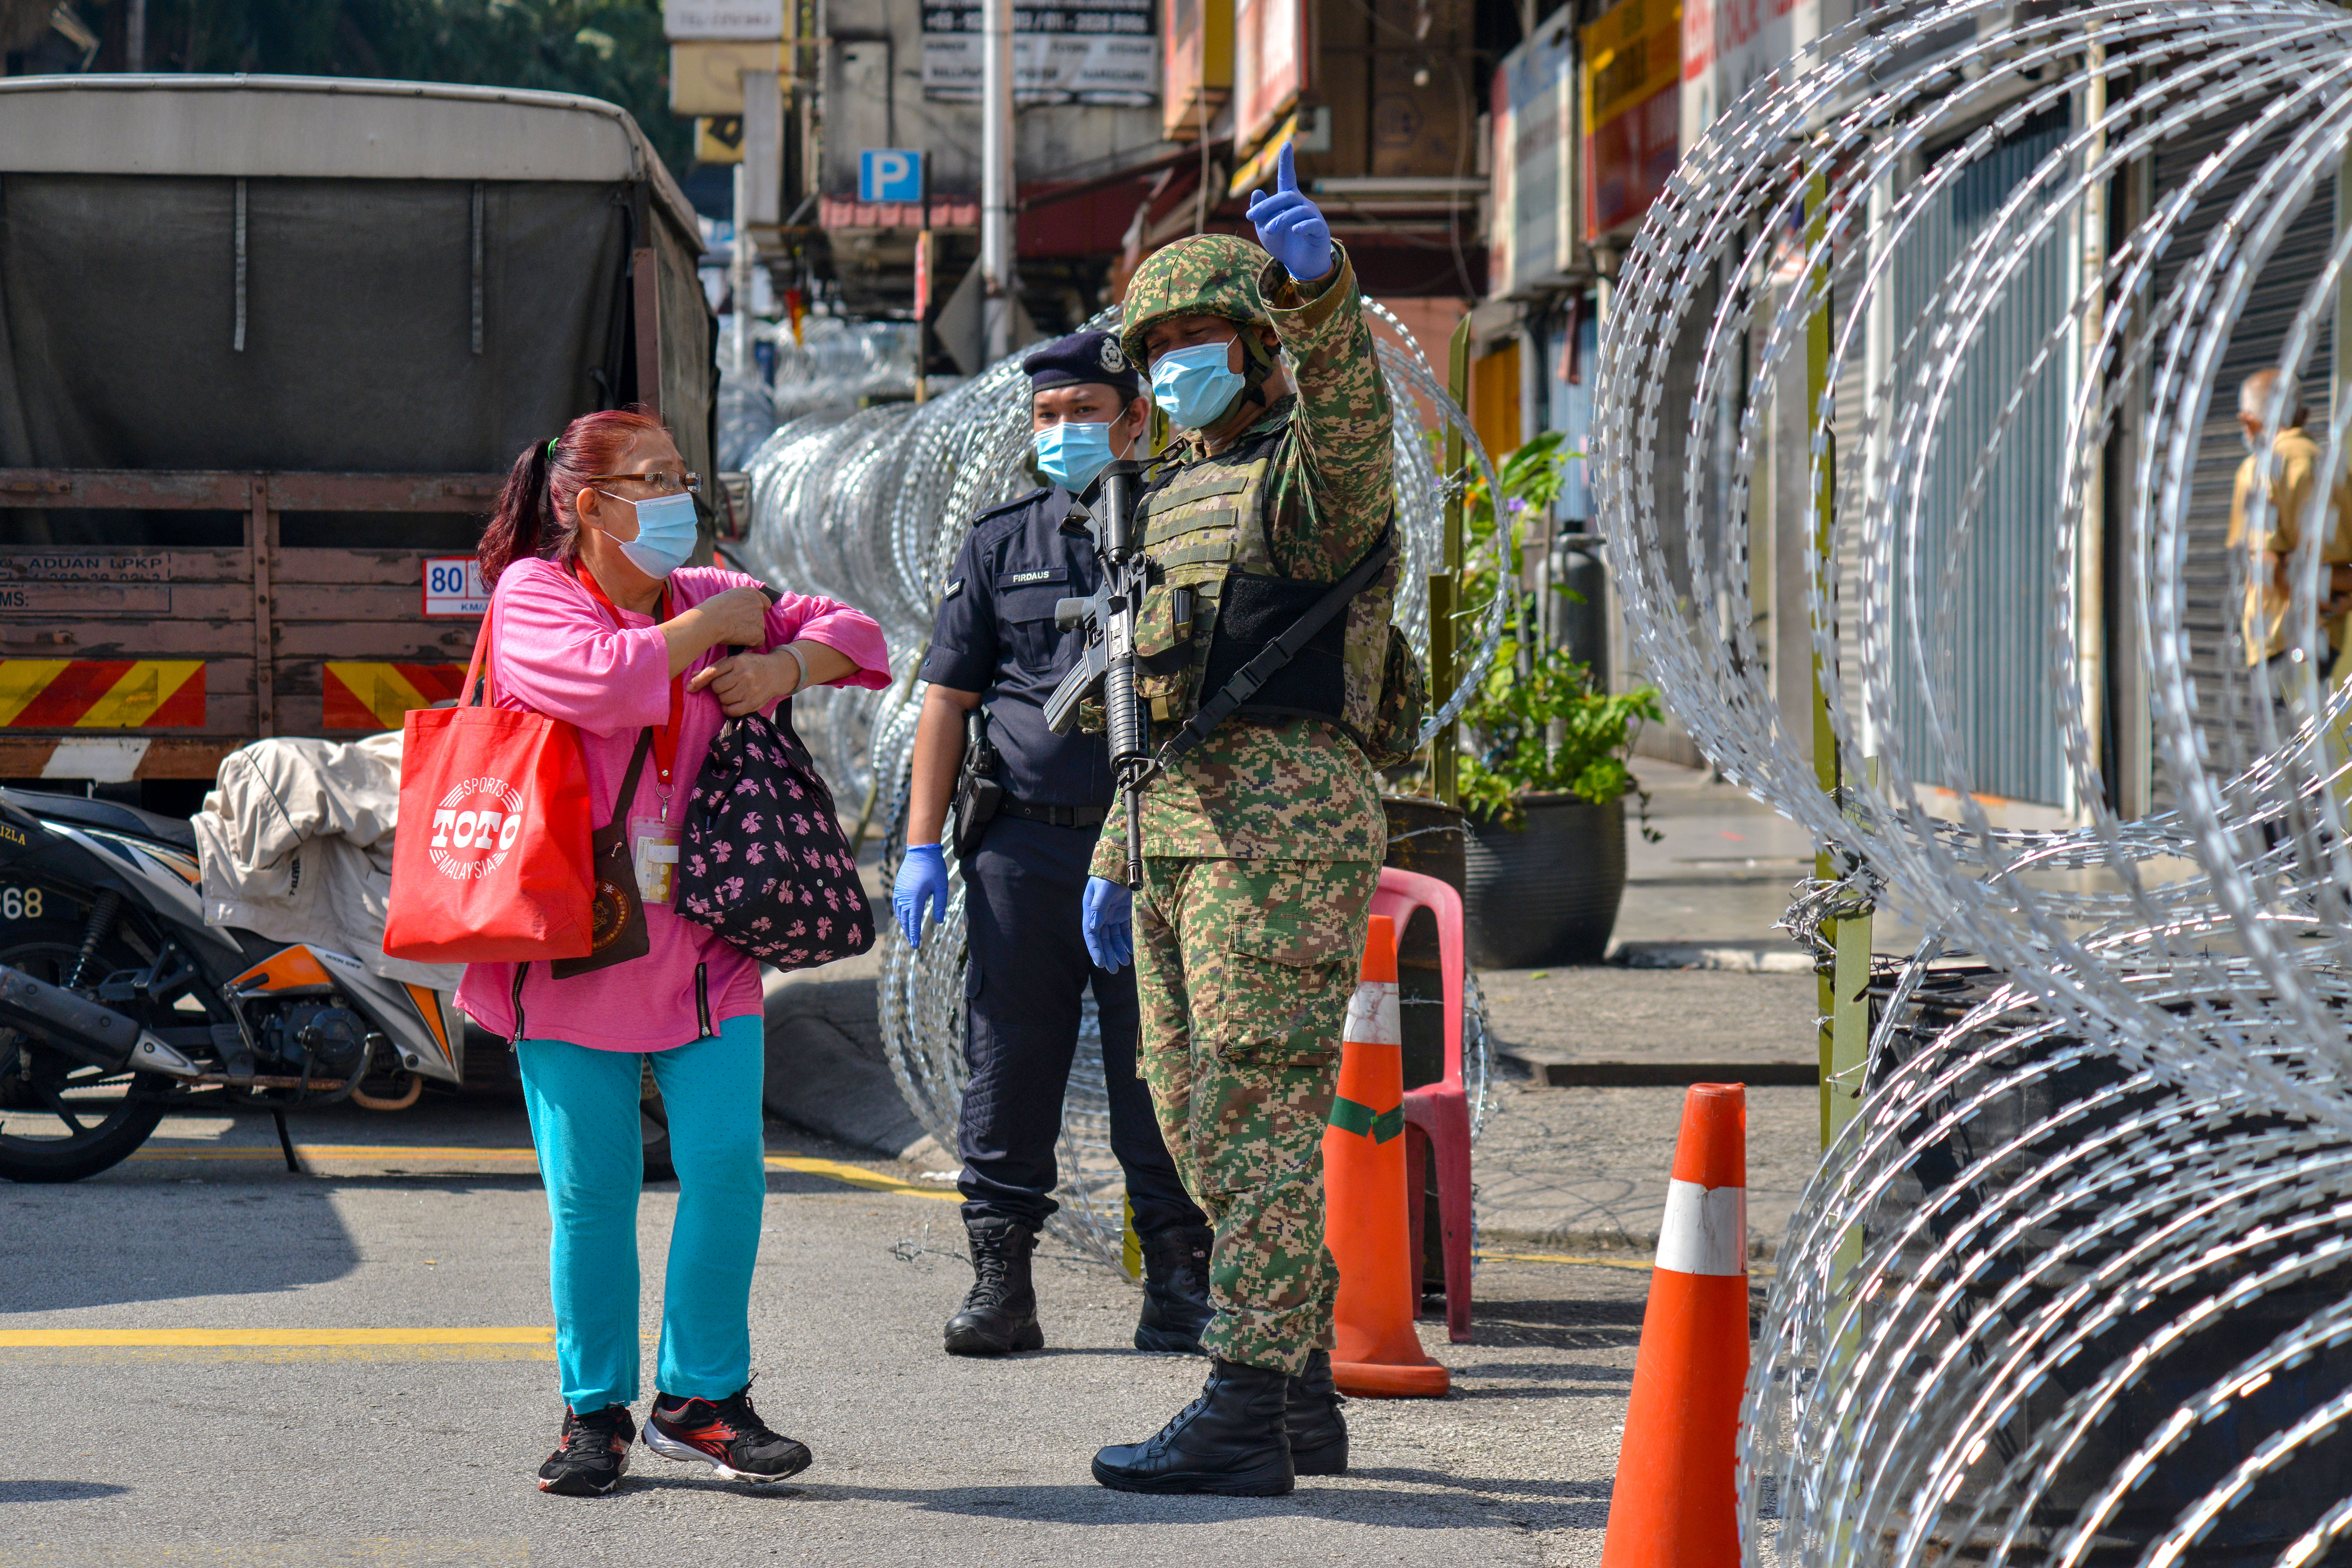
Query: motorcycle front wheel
x: 61, y: 1118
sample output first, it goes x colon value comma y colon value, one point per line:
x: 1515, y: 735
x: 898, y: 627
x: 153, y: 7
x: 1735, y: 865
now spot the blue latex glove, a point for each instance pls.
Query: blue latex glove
x: 1109, y: 924
x: 922, y: 876
x: 1289, y: 225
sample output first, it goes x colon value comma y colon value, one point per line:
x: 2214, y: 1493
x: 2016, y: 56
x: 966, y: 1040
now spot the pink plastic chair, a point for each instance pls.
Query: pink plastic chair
x: 1438, y: 1113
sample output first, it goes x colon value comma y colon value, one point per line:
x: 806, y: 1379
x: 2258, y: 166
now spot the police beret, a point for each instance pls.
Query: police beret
x: 1080, y: 359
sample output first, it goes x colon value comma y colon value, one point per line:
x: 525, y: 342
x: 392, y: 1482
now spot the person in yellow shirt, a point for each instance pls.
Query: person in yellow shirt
x: 2289, y: 477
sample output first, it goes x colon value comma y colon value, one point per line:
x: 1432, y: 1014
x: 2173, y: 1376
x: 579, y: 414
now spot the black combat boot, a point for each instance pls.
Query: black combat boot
x: 1175, y: 1289
x: 1229, y: 1441
x: 1318, y: 1433
x: 1000, y: 1315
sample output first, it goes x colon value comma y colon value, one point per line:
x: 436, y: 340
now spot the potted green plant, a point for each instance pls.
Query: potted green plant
x: 1544, y: 772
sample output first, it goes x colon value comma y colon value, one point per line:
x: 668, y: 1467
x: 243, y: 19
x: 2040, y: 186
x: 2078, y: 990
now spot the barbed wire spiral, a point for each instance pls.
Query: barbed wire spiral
x: 869, y: 508
x: 2075, y: 1284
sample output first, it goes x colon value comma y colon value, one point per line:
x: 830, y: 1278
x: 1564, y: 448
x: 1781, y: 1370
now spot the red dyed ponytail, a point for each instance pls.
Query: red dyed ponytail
x: 535, y: 515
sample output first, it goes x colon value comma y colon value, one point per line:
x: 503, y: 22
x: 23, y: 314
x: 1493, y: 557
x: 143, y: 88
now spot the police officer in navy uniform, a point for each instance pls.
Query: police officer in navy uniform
x: 997, y: 642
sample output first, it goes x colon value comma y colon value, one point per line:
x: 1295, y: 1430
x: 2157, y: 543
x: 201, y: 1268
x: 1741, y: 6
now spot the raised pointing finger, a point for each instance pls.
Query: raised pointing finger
x: 1285, y: 171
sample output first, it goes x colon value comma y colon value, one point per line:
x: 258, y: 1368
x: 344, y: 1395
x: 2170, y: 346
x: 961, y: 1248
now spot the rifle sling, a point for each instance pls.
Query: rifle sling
x: 1260, y: 669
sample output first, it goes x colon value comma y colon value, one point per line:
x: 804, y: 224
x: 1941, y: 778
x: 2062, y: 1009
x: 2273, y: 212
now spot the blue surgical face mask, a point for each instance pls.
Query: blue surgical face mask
x: 665, y: 531
x: 1071, y: 455
x: 1195, y: 386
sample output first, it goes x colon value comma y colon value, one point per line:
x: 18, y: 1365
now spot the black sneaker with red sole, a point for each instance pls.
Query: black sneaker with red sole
x: 725, y: 1433
x: 594, y: 1454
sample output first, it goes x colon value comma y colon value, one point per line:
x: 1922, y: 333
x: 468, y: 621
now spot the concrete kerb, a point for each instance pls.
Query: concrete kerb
x: 1741, y: 957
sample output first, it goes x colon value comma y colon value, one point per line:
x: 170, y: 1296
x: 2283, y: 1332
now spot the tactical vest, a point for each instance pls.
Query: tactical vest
x: 1217, y: 597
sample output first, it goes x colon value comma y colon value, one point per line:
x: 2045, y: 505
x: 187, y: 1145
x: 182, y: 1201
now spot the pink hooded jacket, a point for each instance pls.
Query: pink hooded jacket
x: 558, y: 654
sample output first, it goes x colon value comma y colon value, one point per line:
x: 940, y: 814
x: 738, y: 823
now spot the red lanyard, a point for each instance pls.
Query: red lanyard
x: 665, y: 738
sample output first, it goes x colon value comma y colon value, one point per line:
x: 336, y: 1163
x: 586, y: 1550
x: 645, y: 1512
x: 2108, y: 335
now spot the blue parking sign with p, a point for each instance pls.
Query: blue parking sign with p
x: 890, y: 175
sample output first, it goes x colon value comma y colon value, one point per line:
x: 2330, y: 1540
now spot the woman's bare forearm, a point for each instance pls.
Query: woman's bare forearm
x: 823, y: 662
x: 689, y: 635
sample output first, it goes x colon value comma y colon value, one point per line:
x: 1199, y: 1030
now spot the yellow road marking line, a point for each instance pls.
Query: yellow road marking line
x: 859, y: 1176
x: 1561, y: 1258
x: 338, y: 1152
x: 23, y: 1339
x: 1760, y: 1272
x: 831, y: 1170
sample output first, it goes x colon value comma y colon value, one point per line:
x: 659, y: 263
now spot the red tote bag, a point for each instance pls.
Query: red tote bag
x: 491, y: 862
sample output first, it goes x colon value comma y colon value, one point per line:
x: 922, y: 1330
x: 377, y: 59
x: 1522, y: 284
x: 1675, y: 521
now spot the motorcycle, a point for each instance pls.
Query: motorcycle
x: 119, y: 1006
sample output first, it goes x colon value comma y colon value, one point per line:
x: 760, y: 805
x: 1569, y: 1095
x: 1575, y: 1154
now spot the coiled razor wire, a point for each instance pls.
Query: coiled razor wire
x: 869, y: 508
x: 2075, y: 1284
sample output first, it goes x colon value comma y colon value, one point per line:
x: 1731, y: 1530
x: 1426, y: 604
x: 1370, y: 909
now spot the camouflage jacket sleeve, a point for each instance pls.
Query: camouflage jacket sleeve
x: 1334, y: 482
x: 1109, y: 861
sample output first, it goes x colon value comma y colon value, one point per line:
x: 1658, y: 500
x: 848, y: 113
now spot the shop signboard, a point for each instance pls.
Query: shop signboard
x: 718, y: 139
x: 1728, y: 44
x: 1063, y: 51
x: 707, y: 78
x: 1534, y: 160
x: 1199, y: 73
x: 1270, y: 66
x: 1632, y: 109
x: 723, y: 19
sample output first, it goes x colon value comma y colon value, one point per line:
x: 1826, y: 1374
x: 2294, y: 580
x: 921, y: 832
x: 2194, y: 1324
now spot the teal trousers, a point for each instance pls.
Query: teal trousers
x: 584, y: 1121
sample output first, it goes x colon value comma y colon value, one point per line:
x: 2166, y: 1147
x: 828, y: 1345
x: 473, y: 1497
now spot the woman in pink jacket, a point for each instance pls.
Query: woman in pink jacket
x: 599, y: 622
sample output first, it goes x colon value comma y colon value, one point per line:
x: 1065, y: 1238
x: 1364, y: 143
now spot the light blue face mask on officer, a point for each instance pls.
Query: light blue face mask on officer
x: 1194, y: 385
x: 665, y: 532
x: 1071, y: 455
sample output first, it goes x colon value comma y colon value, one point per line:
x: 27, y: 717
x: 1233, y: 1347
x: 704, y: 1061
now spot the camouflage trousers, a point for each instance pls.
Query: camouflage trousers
x: 1244, y: 969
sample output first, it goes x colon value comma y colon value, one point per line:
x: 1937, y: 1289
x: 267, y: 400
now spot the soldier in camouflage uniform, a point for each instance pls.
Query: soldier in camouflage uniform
x: 1263, y: 844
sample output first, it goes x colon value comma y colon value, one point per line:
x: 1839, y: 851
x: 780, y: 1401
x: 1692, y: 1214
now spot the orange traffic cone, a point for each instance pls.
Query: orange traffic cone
x: 1675, y: 1502
x: 1365, y: 1223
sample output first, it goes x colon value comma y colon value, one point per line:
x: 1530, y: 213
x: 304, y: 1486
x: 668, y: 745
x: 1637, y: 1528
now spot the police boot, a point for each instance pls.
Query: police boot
x: 999, y: 1314
x: 1318, y: 1433
x: 1175, y: 1289
x: 1229, y: 1441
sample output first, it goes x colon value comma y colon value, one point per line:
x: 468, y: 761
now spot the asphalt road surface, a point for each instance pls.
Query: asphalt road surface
x: 386, y: 1390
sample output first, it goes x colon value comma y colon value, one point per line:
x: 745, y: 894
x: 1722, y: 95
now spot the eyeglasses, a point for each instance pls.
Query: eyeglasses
x: 663, y: 481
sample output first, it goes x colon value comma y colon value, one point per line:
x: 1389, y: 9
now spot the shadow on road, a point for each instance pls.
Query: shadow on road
x: 1533, y: 1504
x: 1566, y: 1325
x: 94, y: 1245
x: 55, y: 1491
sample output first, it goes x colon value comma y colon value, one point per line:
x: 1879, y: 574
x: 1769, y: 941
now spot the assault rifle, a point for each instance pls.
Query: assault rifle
x: 1106, y: 668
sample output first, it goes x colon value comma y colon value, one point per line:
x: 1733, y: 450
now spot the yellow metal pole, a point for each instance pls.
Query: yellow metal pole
x: 1825, y: 753
x: 2340, y: 387
x: 1849, y: 1019
x: 1844, y: 992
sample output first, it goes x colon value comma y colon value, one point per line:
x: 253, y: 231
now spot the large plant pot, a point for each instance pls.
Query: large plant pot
x: 1548, y: 893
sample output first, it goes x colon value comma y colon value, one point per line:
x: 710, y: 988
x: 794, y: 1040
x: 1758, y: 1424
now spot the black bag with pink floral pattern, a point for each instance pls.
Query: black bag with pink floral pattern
x: 762, y: 860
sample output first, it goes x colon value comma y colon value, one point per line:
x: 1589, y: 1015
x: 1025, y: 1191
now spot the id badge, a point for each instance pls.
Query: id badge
x: 653, y: 849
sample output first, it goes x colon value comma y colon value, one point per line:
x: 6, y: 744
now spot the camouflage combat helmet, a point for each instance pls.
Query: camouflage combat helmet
x: 1204, y: 275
